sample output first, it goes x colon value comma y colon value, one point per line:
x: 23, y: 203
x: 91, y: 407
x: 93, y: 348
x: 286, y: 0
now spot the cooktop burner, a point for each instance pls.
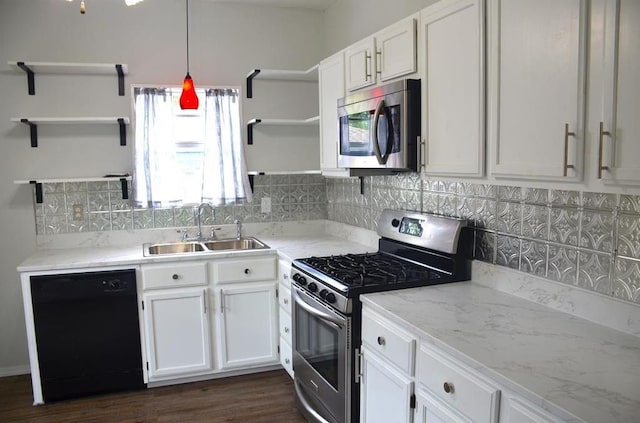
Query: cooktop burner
x: 359, y: 270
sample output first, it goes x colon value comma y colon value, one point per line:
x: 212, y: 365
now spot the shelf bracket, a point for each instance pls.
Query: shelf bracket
x: 120, y: 79
x: 30, y: 77
x: 33, y: 129
x: 38, y: 187
x: 125, y: 188
x: 252, y: 181
x: 123, y: 131
x: 361, y: 184
x: 250, y: 82
x: 250, y: 126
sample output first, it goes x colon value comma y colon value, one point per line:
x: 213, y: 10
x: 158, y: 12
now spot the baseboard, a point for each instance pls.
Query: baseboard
x: 14, y: 371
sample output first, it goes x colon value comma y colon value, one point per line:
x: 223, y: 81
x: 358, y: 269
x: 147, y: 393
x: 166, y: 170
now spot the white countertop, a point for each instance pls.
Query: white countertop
x: 556, y: 360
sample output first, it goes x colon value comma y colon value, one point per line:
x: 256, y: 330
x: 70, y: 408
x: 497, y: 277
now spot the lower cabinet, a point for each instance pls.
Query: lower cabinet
x: 247, y: 324
x: 284, y: 315
x: 517, y: 410
x: 177, y: 333
x: 431, y: 410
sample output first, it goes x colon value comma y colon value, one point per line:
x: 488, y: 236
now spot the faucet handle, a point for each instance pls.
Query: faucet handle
x: 185, y: 234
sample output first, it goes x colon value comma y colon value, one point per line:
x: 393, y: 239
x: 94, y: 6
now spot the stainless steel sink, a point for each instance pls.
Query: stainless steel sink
x: 196, y: 247
x: 174, y: 248
x: 235, y: 244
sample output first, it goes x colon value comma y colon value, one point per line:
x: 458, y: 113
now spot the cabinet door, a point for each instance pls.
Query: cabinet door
x: 177, y: 333
x: 359, y: 65
x: 248, y: 324
x: 430, y: 410
x: 396, y: 50
x: 537, y: 57
x: 452, y: 46
x: 619, y: 135
x: 516, y: 410
x: 385, y: 394
x: 331, y: 86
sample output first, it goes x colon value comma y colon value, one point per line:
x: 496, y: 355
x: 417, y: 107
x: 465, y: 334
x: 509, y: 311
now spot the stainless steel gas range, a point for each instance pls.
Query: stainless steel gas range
x: 414, y: 250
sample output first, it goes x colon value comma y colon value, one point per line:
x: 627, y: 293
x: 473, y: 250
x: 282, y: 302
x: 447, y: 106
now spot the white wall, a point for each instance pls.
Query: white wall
x: 226, y: 43
x: 348, y: 21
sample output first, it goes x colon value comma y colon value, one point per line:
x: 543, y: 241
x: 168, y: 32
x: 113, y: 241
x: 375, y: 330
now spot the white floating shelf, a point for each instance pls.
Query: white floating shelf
x: 69, y: 180
x: 72, y: 120
x: 286, y: 172
x: 289, y: 122
x: 310, y: 74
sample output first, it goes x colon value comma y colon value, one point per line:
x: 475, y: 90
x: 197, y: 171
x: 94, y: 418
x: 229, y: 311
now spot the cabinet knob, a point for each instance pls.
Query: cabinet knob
x: 286, y: 301
x: 175, y: 276
x: 286, y: 360
x: 247, y: 271
x: 381, y: 340
x: 285, y: 276
x: 448, y: 387
x: 286, y: 330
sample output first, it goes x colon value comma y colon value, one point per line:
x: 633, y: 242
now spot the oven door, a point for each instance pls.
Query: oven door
x: 321, y: 360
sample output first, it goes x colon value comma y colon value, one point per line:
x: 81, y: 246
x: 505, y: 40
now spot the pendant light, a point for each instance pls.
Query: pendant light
x: 188, y: 98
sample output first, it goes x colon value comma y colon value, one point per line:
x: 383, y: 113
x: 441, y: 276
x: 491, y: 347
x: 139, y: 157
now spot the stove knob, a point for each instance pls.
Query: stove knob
x: 313, y: 287
x: 395, y: 223
x: 300, y: 279
x: 330, y: 298
x: 323, y: 293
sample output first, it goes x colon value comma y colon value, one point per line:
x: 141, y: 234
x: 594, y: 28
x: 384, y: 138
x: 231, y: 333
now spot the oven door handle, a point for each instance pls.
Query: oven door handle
x: 305, y: 403
x: 324, y: 316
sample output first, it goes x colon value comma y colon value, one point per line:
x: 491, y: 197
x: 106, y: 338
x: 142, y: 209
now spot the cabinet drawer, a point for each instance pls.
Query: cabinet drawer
x: 389, y: 341
x: 172, y: 275
x: 286, y: 356
x: 285, y: 327
x: 284, y: 269
x: 457, y: 386
x: 245, y: 270
x: 284, y: 298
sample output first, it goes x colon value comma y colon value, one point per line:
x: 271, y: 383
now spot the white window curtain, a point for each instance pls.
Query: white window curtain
x: 158, y: 177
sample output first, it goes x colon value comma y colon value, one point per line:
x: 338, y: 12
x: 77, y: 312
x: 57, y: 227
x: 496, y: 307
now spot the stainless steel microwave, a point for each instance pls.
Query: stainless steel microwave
x: 380, y: 129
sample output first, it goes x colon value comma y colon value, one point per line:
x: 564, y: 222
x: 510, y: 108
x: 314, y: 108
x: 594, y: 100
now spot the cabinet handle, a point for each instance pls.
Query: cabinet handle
x: 286, y: 329
x: 448, y: 387
x: 286, y: 360
x: 566, y: 164
x: 221, y: 301
x: 381, y: 340
x: 286, y: 301
x: 379, y: 62
x: 175, y: 276
x: 247, y: 271
x: 602, y: 133
x: 204, y: 300
x: 285, y: 276
x: 422, y: 151
x: 367, y: 65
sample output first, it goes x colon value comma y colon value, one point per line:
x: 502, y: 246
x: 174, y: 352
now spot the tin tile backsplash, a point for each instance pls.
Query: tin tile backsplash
x: 585, y: 239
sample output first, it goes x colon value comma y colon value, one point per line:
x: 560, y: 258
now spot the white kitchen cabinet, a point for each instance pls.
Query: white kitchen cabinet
x: 247, y: 324
x: 451, y: 48
x: 430, y: 410
x: 284, y: 315
x: 618, y: 126
x: 389, y: 54
x: 386, y: 385
x: 536, y: 88
x: 331, y: 88
x: 177, y: 333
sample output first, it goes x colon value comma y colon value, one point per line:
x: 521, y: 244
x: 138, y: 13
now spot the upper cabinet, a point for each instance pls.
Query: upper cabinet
x: 536, y: 85
x: 331, y: 88
x: 617, y: 125
x: 388, y: 54
x: 451, y: 50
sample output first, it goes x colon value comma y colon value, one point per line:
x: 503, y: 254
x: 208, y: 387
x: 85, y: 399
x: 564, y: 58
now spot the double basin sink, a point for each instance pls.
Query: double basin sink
x: 194, y: 247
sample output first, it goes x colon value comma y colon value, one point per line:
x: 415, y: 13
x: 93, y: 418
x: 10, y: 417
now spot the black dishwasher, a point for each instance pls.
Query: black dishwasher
x: 87, y: 333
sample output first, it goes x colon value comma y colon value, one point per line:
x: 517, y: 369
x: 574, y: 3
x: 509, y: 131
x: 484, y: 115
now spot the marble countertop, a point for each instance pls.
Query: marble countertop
x: 562, y: 363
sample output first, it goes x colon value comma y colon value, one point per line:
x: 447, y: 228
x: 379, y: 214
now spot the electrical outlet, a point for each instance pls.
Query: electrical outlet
x: 265, y: 205
x: 78, y: 212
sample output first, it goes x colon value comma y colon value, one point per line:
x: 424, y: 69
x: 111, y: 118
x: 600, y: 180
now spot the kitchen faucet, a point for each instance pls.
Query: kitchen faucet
x: 198, y: 216
x: 238, y: 228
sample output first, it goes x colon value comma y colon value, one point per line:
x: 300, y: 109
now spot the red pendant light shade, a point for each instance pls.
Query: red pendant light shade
x: 188, y: 98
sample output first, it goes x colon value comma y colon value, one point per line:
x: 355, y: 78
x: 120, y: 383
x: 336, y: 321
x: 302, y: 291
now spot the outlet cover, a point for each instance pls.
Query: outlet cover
x: 78, y: 212
x: 265, y: 205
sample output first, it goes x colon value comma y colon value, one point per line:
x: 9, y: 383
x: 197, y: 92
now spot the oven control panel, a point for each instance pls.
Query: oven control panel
x: 320, y: 292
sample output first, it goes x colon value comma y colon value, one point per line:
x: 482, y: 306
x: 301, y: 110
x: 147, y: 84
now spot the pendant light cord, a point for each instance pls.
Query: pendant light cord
x: 187, y: 37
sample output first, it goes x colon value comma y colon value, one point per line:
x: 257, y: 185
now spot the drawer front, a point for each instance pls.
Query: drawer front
x: 245, y: 270
x: 173, y: 275
x: 457, y: 386
x: 284, y: 269
x: 284, y: 298
x: 285, y: 327
x: 286, y: 356
x: 389, y: 341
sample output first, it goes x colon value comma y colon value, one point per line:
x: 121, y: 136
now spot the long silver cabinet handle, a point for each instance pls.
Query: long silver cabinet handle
x: 221, y: 301
x: 601, y: 133
x: 566, y: 164
x: 204, y: 300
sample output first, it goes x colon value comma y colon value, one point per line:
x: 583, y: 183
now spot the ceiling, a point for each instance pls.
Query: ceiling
x: 305, y: 4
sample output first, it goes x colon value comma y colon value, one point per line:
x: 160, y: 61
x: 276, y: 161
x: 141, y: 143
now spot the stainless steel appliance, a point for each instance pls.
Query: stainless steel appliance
x: 380, y: 129
x: 414, y: 250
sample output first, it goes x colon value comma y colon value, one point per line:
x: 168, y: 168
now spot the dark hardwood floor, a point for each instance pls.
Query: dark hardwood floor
x: 261, y: 398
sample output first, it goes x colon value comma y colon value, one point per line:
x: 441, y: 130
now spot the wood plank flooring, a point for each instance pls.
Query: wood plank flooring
x: 261, y: 398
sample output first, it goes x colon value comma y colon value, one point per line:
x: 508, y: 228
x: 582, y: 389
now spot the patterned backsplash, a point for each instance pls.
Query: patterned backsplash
x: 587, y: 239
x: 293, y: 197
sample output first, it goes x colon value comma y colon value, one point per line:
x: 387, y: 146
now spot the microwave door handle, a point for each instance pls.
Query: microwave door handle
x: 376, y: 146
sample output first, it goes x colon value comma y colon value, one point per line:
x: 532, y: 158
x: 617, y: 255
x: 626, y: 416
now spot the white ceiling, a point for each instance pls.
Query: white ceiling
x: 305, y: 4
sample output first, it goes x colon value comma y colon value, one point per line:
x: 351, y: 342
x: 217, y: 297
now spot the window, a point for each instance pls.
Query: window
x: 187, y: 157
